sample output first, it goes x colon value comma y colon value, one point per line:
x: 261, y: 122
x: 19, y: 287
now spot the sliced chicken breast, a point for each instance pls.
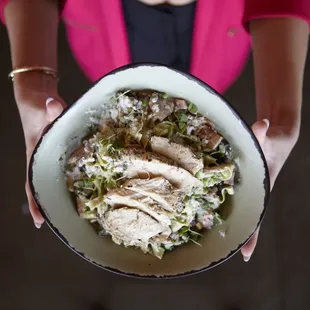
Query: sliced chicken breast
x: 159, y: 189
x: 206, y: 219
x: 81, y: 208
x: 161, y: 109
x: 182, y: 155
x: 180, y: 104
x: 77, y: 155
x: 159, y: 185
x: 121, y: 196
x: 210, y: 136
x: 80, y: 153
x: 147, y: 164
x: 131, y: 227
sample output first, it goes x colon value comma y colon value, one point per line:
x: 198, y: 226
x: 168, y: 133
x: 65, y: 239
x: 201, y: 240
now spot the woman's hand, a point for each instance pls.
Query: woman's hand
x: 38, y: 104
x: 277, y: 142
x: 279, y: 52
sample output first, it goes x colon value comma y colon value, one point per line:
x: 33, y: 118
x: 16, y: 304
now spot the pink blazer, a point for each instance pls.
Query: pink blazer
x: 98, y: 39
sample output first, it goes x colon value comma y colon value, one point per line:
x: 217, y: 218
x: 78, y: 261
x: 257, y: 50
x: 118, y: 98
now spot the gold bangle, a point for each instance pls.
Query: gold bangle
x: 46, y: 70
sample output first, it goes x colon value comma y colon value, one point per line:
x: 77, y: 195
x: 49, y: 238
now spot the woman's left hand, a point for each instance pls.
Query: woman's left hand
x: 276, y: 142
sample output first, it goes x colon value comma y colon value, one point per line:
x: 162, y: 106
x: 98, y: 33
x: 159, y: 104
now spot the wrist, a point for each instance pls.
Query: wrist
x: 289, y: 129
x: 31, y: 84
x: 283, y: 115
x: 289, y: 134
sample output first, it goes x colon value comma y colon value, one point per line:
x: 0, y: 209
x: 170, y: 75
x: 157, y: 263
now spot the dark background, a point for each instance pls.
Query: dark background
x: 37, y: 271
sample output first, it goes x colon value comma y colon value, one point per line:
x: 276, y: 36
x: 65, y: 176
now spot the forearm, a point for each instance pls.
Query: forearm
x: 32, y: 28
x: 279, y: 50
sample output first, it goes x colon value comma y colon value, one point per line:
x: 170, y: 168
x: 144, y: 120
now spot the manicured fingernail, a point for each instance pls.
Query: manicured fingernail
x: 266, y: 122
x: 246, y: 258
x: 38, y: 226
x: 48, y: 100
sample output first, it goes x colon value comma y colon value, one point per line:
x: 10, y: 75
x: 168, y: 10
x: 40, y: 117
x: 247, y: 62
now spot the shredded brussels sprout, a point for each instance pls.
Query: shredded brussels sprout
x: 134, y: 194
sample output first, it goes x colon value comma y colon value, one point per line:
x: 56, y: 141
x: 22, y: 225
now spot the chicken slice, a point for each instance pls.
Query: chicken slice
x: 77, y: 155
x: 131, y: 227
x: 82, y: 152
x: 180, y: 104
x: 210, y: 136
x: 206, y: 219
x: 159, y: 189
x: 161, y: 108
x: 73, y: 175
x: 182, y: 155
x: 138, y: 163
x: 159, y: 185
x: 81, y: 209
x: 212, y: 197
x: 121, y: 196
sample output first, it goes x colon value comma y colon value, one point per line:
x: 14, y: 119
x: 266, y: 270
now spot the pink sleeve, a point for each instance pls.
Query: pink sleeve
x: 3, y: 3
x: 255, y: 9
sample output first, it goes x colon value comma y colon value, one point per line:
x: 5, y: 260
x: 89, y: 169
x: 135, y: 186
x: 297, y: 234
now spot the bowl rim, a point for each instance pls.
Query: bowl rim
x: 133, y: 275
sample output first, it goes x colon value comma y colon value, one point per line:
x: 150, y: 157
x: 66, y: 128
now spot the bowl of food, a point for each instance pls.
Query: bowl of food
x: 151, y: 173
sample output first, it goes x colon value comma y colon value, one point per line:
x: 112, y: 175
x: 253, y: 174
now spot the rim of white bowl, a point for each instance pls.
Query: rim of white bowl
x: 189, y: 76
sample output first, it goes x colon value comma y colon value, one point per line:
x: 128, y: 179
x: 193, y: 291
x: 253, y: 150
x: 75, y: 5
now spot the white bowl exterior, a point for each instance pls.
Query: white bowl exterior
x: 52, y: 194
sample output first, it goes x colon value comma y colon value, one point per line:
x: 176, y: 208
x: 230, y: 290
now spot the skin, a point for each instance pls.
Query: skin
x: 279, y: 49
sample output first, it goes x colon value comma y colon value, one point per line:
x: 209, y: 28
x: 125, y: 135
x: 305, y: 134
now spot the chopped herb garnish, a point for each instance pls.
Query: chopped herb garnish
x: 120, y: 165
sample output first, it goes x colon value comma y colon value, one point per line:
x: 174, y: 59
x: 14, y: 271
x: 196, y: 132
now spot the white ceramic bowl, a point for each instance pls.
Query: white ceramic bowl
x: 57, y: 207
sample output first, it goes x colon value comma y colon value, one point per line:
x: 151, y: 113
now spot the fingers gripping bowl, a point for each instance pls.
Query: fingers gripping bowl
x: 246, y: 207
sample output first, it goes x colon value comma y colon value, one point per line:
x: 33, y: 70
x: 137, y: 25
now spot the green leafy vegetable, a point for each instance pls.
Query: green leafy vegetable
x: 183, y: 230
x: 194, y: 241
x: 192, y: 108
x: 215, y: 175
x: 209, y: 160
x: 182, y: 127
x: 118, y: 139
x: 226, y: 190
x: 165, y: 129
x: 158, y: 250
x: 183, y: 118
x: 84, y: 184
x: 217, y: 219
x: 182, y: 121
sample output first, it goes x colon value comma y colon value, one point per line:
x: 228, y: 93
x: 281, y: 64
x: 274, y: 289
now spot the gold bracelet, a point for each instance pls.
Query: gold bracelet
x: 46, y: 70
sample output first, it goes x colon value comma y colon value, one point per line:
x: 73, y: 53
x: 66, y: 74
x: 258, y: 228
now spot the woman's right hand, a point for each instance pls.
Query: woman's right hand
x: 39, y: 104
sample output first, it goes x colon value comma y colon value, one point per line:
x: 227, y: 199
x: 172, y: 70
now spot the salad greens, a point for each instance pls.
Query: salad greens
x: 146, y: 192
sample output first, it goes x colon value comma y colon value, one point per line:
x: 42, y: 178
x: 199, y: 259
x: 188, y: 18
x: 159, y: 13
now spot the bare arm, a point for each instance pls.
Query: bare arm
x: 280, y: 49
x: 32, y: 28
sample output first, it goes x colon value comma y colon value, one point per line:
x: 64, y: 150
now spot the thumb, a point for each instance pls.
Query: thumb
x: 260, y: 129
x: 53, y: 109
x: 249, y: 248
